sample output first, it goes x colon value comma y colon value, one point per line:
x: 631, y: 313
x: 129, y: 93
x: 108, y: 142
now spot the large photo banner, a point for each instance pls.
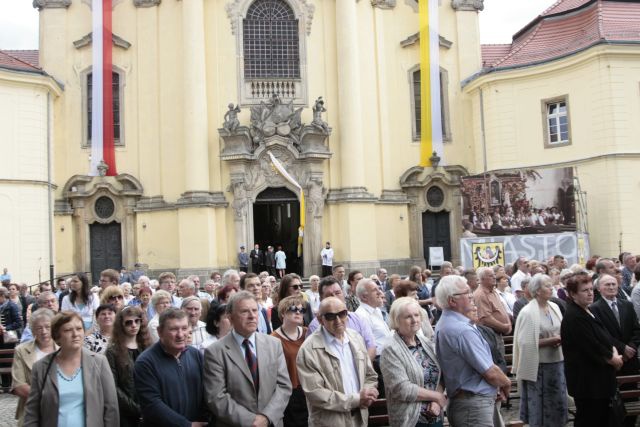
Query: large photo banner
x: 493, y: 250
x: 526, y: 201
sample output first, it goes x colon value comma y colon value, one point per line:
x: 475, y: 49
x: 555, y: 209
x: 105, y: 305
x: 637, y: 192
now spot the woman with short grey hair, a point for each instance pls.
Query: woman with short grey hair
x: 160, y: 301
x: 412, y: 375
x: 538, y: 362
x: 28, y: 353
x: 199, y: 335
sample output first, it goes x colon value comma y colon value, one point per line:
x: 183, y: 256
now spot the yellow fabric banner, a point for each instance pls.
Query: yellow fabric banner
x: 426, y: 142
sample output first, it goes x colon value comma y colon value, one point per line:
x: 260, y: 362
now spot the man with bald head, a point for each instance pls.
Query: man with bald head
x: 335, y: 373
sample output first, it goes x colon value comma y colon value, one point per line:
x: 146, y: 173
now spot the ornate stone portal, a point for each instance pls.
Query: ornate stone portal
x: 433, y: 189
x: 277, y: 128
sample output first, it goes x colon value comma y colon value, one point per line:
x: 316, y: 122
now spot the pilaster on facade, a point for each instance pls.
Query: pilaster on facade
x: 51, y: 4
x: 467, y: 5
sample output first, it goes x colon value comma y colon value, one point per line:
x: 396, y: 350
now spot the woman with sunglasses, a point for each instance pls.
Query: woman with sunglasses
x: 292, y: 334
x: 129, y: 339
x: 98, y: 340
x: 113, y: 295
x: 290, y: 285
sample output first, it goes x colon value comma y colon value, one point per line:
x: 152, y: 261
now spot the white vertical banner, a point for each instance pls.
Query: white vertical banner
x: 434, y: 69
x: 96, y: 88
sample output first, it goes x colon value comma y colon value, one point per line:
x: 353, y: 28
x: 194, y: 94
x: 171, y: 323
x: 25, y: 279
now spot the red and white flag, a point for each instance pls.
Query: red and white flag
x: 102, y: 147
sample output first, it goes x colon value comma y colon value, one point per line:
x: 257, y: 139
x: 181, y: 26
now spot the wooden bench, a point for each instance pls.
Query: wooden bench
x: 633, y: 408
x: 378, y: 415
x: 6, y: 360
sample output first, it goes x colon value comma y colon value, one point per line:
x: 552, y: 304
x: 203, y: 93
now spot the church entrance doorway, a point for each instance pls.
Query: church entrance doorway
x: 436, y: 233
x: 276, y: 218
x: 106, y: 248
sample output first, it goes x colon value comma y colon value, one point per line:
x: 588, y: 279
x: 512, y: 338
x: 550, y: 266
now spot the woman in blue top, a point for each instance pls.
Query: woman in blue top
x: 80, y: 299
x: 71, y: 387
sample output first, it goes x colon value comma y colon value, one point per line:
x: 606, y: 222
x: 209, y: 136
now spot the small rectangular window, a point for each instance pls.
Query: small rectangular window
x: 556, y: 122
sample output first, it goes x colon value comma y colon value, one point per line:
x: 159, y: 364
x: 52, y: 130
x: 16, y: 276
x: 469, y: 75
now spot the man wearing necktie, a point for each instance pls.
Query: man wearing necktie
x: 620, y: 320
x: 245, y: 374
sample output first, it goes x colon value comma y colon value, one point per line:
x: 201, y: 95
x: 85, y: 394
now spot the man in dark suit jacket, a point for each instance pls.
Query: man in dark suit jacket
x: 620, y: 320
x: 245, y: 373
x: 257, y: 259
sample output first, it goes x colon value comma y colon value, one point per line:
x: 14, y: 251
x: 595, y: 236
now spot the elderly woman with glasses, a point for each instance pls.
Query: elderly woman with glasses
x: 290, y: 285
x: 199, y: 335
x: 29, y: 353
x: 590, y: 357
x: 129, y: 339
x: 292, y: 334
x: 537, y: 358
x: 160, y: 301
x: 411, y: 372
x: 98, y: 340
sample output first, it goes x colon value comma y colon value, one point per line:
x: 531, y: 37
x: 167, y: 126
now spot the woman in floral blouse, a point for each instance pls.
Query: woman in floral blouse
x: 98, y: 340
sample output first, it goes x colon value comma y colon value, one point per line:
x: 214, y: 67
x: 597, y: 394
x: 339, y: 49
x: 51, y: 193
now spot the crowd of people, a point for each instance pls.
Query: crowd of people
x: 249, y: 349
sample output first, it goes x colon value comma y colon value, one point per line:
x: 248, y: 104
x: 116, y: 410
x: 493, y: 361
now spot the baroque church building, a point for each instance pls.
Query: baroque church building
x: 205, y: 90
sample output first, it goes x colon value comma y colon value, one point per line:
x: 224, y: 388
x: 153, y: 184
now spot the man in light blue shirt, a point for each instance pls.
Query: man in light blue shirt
x: 471, y: 378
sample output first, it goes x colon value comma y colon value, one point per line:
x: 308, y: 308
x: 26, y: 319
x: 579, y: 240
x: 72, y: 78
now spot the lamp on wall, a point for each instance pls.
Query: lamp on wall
x: 62, y: 228
x: 144, y: 225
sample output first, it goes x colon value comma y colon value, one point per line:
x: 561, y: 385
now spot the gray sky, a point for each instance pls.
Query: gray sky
x: 498, y: 22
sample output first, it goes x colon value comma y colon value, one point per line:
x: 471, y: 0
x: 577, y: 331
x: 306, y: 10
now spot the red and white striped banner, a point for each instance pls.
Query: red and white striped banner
x: 102, y: 147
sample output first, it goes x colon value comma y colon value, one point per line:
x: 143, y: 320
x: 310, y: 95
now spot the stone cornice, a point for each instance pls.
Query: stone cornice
x: 415, y: 38
x: 51, y: 4
x: 467, y: 5
x: 146, y: 3
x: 88, y: 38
x: 384, y: 4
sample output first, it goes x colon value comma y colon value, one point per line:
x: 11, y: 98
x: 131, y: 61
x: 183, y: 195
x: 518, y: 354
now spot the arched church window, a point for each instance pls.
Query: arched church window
x: 271, y: 41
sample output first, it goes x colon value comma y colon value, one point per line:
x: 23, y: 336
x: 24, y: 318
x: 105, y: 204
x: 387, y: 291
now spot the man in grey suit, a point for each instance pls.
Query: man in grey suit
x: 245, y: 375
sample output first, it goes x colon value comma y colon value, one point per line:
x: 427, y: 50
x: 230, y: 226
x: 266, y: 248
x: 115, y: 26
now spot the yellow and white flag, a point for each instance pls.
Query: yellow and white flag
x: 280, y: 168
x: 431, y: 119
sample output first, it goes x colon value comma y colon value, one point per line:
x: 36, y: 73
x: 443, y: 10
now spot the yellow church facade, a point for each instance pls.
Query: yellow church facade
x: 203, y: 102
x: 194, y: 178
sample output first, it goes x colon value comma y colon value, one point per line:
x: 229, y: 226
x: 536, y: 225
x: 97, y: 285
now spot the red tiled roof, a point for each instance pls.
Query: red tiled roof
x: 21, y: 60
x: 29, y: 56
x: 566, y: 28
x: 563, y: 6
x: 493, y: 52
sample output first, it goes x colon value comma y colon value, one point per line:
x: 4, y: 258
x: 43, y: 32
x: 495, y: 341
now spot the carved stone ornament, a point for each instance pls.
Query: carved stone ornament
x: 274, y: 119
x: 470, y: 5
x: 146, y: 3
x: 303, y: 9
x: 384, y: 4
x: 51, y: 4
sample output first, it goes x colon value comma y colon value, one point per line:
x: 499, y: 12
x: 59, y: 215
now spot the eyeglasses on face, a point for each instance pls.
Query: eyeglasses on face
x: 468, y: 293
x: 131, y: 322
x: 330, y: 317
x: 294, y: 309
x: 115, y: 297
x: 296, y: 287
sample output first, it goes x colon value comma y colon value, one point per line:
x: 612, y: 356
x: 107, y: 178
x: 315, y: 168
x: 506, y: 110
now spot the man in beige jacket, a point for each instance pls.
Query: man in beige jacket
x: 335, y: 371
